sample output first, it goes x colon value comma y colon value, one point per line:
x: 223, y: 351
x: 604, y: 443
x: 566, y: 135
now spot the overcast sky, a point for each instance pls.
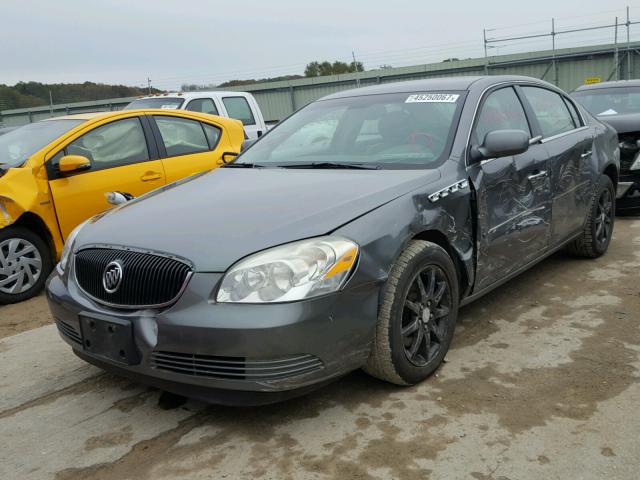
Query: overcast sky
x: 196, y: 41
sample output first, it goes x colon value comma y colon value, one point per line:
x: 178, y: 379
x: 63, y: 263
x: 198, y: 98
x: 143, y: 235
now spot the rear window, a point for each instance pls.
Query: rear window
x: 238, y: 108
x: 204, y: 105
x: 165, y: 103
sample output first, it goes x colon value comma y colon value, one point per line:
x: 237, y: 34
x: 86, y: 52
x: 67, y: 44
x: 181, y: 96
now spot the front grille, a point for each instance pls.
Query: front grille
x: 628, y: 154
x: 234, y: 368
x: 148, y: 280
x: 69, y: 331
x: 626, y: 160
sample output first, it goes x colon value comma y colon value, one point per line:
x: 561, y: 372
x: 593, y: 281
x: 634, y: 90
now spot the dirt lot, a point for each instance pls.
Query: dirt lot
x: 542, y: 382
x: 24, y: 316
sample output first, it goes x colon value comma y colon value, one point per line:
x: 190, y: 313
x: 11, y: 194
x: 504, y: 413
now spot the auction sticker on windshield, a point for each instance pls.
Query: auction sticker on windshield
x: 432, y: 98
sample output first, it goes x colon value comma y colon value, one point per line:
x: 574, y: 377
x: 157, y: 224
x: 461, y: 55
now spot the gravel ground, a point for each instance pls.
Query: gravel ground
x: 24, y: 316
x: 542, y: 382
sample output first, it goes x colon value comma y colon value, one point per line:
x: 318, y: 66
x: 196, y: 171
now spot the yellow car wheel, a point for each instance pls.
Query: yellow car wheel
x: 25, y: 263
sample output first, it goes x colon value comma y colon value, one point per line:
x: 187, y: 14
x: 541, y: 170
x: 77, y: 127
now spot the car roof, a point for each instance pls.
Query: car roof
x: 80, y: 116
x: 434, y: 84
x: 93, y: 116
x: 613, y: 84
x: 196, y: 94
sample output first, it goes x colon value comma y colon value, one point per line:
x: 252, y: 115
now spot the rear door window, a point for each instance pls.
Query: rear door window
x: 181, y: 136
x: 204, y: 105
x: 573, y: 112
x: 550, y: 110
x: 213, y: 135
x: 238, y: 108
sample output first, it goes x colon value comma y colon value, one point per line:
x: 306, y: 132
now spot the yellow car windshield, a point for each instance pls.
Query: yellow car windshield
x: 19, y: 144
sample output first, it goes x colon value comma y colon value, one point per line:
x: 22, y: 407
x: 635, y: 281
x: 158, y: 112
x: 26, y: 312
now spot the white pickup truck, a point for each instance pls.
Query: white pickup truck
x: 239, y: 105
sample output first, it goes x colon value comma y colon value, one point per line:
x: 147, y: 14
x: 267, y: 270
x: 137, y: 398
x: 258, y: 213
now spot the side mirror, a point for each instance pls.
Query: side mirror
x: 228, y: 156
x: 74, y: 163
x: 501, y: 143
x: 117, y: 198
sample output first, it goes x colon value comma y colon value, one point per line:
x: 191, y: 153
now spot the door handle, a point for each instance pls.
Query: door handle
x: 586, y: 154
x: 540, y: 174
x: 150, y: 176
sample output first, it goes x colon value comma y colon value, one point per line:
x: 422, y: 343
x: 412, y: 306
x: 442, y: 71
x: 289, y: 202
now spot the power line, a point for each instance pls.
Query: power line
x: 427, y: 53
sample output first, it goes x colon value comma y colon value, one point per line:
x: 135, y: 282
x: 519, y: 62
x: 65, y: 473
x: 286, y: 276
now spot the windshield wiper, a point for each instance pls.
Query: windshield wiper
x: 242, y: 165
x: 330, y: 165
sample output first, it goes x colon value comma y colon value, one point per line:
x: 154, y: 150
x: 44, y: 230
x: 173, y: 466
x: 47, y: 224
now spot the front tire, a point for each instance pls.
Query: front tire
x: 598, y: 229
x: 417, y: 316
x: 25, y: 263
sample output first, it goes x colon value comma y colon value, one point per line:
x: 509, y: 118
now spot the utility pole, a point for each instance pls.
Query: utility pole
x: 50, y: 103
x: 615, y: 54
x: 486, y: 59
x: 149, y: 85
x: 355, y: 65
x: 553, y: 48
x: 628, y: 47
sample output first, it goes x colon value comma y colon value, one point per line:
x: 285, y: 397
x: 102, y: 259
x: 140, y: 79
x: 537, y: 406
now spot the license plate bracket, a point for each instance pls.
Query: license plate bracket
x: 111, y: 338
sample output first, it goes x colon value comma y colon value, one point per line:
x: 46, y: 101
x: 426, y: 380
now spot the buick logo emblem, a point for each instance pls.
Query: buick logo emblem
x: 112, y: 277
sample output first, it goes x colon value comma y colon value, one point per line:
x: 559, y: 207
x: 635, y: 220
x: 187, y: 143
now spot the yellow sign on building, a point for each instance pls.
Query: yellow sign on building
x: 592, y: 80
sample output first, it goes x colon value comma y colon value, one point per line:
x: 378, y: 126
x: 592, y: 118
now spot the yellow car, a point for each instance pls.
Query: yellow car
x: 55, y: 174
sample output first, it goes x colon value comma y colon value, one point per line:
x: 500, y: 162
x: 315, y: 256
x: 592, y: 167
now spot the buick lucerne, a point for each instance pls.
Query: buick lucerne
x: 347, y: 237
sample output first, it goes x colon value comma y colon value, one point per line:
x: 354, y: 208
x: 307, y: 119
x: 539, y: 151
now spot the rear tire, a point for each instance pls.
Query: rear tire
x: 417, y: 316
x: 598, y: 229
x: 25, y: 263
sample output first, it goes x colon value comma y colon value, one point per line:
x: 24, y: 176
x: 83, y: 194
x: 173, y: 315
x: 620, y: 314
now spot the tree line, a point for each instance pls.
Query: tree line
x: 35, y: 94
x: 313, y: 69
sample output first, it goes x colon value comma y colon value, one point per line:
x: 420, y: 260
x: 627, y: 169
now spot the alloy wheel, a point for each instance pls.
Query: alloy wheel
x: 20, y: 265
x: 425, y: 315
x: 604, y: 217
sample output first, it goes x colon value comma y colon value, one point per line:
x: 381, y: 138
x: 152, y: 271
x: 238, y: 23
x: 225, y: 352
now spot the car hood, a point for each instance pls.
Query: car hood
x: 218, y: 218
x: 627, y: 123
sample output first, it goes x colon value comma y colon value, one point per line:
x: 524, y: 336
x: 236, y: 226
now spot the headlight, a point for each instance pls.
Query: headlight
x: 68, y: 248
x: 295, y: 271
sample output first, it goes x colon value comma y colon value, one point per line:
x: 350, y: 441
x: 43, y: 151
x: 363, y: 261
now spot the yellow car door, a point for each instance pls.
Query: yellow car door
x: 121, y: 159
x: 189, y: 145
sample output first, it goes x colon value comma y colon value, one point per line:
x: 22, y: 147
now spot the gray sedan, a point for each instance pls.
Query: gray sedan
x: 347, y: 237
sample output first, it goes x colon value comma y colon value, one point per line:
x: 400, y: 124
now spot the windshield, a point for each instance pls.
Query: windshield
x: 399, y: 130
x: 165, y: 103
x: 610, y: 101
x: 19, y: 144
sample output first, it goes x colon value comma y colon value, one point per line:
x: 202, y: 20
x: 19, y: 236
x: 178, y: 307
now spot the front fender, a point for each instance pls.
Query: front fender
x: 18, y: 194
x: 10, y: 211
x: 385, y: 232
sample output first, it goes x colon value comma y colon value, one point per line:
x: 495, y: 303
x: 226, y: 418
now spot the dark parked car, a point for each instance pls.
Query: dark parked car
x: 618, y: 104
x: 347, y: 237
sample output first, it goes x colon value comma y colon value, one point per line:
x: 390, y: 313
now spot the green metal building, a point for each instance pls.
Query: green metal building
x: 567, y: 68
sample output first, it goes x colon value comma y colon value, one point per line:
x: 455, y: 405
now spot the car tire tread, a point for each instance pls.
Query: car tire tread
x: 585, y: 245
x: 380, y: 363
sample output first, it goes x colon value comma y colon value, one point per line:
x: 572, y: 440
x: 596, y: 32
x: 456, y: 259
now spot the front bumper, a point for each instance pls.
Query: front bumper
x: 237, y: 354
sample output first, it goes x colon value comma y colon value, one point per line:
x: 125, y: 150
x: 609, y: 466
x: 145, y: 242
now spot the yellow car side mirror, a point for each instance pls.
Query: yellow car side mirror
x: 74, y: 163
